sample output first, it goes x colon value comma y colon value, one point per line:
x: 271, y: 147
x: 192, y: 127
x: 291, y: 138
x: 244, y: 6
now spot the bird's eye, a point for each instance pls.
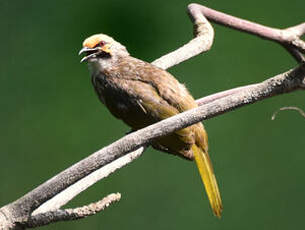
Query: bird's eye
x: 101, y: 44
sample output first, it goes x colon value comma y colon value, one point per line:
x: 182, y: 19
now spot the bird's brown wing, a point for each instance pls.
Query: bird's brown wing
x: 168, y: 88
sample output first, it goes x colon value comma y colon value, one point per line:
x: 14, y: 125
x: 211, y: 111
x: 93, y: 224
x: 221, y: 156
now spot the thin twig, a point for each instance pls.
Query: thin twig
x: 301, y: 112
x: 72, y: 214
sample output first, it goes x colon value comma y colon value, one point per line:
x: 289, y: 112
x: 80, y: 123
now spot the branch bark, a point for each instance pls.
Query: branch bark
x: 204, y: 36
x: 290, y: 38
x: 72, y: 214
x: 72, y: 191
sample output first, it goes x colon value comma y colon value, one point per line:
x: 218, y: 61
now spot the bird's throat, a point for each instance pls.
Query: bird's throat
x: 98, y: 65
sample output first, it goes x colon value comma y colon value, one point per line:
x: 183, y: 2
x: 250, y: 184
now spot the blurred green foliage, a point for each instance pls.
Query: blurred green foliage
x: 51, y: 118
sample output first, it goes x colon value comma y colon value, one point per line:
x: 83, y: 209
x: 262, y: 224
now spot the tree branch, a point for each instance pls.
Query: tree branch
x: 204, y: 36
x: 72, y: 214
x: 72, y: 191
x: 287, y: 37
x: 301, y: 112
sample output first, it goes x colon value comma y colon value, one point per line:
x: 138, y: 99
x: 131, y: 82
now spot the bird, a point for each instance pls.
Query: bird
x: 141, y: 94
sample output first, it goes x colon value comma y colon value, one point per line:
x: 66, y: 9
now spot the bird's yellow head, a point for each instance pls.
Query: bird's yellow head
x: 100, y: 45
x: 98, y: 40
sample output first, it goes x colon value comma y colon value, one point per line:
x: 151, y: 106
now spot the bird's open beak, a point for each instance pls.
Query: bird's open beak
x: 93, y: 52
x: 90, y: 52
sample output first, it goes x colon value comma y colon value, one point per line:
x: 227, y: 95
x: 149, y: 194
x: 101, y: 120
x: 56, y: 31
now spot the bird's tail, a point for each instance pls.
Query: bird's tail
x: 207, y: 175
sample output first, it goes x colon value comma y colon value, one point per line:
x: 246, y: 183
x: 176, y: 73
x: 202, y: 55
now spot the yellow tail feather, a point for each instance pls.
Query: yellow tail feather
x: 206, y: 171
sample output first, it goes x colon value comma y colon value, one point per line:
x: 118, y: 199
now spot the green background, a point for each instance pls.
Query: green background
x: 51, y: 118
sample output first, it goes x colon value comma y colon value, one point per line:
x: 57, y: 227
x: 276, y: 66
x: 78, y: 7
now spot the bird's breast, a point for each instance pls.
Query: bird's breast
x: 120, y: 103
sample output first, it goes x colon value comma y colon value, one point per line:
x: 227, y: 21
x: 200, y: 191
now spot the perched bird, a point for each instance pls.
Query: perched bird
x: 141, y: 94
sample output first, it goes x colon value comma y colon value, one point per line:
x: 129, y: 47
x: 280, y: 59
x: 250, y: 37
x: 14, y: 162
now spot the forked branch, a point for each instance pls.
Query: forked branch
x: 290, y: 38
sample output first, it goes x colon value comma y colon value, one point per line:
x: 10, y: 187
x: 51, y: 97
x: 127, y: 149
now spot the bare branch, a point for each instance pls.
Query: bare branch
x: 301, y: 112
x: 238, y: 23
x: 290, y: 36
x: 204, y: 35
x: 216, y: 96
x: 72, y: 214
